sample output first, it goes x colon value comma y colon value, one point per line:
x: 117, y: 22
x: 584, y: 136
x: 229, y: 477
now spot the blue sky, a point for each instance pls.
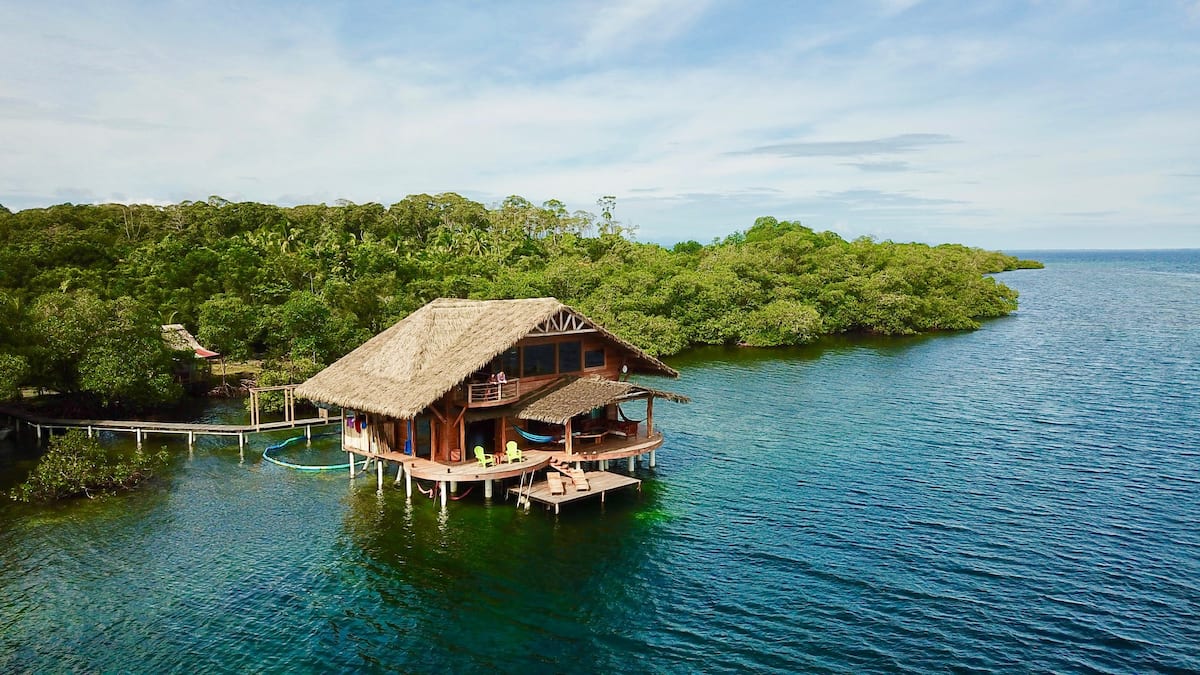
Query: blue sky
x: 1004, y: 125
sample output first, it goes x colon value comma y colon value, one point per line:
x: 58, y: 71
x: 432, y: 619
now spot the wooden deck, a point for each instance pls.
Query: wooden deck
x: 601, y: 482
x: 536, y: 458
x: 609, y: 448
x: 464, y: 472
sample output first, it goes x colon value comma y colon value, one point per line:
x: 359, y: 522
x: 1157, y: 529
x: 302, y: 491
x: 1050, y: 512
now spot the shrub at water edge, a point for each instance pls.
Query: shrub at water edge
x: 78, y: 466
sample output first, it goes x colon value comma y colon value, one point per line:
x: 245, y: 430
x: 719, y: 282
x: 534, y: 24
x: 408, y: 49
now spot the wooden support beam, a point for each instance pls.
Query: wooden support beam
x: 649, y: 417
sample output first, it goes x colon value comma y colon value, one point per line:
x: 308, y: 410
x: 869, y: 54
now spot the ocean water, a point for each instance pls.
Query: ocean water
x: 1020, y: 498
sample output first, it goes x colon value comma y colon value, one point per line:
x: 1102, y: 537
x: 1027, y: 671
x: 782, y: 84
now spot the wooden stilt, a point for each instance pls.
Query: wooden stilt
x: 631, y: 464
x: 652, y: 459
x: 487, y: 489
x: 408, y: 482
x: 453, y: 487
x: 308, y: 431
x: 444, y: 491
x: 138, y: 434
x: 649, y: 417
x: 351, y: 456
x: 379, y: 474
x: 89, y: 431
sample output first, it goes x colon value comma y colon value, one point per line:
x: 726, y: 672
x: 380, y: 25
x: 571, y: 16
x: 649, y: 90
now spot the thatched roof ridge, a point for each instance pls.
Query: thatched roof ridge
x: 579, y: 395
x: 177, y: 337
x: 407, y: 367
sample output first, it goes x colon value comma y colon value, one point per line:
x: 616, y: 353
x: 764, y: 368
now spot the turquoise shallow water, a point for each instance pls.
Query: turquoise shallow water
x: 1021, y: 498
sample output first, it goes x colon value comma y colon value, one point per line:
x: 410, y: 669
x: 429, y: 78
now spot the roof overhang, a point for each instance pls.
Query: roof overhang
x: 575, y: 396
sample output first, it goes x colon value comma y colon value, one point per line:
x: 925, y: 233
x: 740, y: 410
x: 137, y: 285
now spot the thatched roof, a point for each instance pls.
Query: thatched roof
x: 579, y: 395
x: 178, y: 338
x: 407, y: 367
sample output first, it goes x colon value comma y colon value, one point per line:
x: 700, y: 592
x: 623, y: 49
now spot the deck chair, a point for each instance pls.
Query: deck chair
x: 513, y: 452
x: 483, y: 457
x: 556, y: 484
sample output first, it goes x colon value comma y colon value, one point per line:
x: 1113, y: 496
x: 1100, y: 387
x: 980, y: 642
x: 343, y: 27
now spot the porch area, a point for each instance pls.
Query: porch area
x: 461, y: 472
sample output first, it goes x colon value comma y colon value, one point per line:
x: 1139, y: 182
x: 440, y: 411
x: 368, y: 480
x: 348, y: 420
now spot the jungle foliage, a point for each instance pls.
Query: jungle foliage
x: 83, y: 288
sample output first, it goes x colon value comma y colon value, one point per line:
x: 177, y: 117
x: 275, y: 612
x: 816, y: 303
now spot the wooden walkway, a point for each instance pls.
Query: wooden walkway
x: 143, y: 428
x: 600, y: 482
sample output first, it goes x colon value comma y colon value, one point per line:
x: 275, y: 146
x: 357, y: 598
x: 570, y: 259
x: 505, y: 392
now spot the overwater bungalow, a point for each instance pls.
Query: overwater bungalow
x: 467, y: 391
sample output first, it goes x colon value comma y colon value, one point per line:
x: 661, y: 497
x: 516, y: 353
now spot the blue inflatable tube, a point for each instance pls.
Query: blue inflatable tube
x: 302, y: 467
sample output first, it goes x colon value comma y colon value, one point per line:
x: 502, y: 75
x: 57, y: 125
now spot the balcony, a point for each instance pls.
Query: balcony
x: 488, y: 394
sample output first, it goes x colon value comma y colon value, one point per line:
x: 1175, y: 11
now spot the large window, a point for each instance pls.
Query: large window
x: 539, y: 360
x: 510, y: 362
x: 569, y: 357
x: 593, y: 358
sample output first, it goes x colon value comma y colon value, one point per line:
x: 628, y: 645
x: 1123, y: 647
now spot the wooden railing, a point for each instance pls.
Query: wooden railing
x: 484, y: 394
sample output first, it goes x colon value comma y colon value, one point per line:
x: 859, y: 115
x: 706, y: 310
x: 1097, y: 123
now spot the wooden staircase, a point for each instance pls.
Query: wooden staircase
x: 577, y: 477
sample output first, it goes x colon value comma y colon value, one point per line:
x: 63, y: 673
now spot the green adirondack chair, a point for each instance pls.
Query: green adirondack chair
x: 513, y: 452
x: 485, y: 459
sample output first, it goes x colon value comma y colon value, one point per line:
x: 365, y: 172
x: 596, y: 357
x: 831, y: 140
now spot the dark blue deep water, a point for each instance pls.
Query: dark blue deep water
x: 1020, y: 498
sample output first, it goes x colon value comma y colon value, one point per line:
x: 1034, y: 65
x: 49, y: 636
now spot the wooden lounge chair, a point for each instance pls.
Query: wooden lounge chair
x: 556, y: 484
x: 484, y: 459
x: 513, y: 452
x: 576, y: 476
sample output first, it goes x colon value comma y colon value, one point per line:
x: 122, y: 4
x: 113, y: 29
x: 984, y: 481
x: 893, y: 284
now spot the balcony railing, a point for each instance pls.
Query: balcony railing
x: 485, y: 394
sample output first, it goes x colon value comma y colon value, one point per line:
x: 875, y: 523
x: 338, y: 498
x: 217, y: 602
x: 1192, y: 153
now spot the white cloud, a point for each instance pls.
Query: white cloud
x: 626, y: 25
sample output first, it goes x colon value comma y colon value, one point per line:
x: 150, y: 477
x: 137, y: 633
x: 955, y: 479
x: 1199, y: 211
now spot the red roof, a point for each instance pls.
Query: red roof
x: 205, y: 353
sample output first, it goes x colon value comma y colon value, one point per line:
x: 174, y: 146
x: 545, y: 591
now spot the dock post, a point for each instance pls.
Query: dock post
x: 487, y: 489
x: 39, y: 431
x: 89, y: 431
x: 138, y: 434
x: 453, y: 487
x: 308, y: 431
x: 351, y: 456
x: 379, y: 476
x: 241, y: 441
x: 631, y: 460
x: 191, y: 439
x: 408, y: 482
x: 652, y: 462
x: 442, y: 489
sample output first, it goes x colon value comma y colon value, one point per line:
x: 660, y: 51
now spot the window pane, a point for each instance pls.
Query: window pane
x: 539, y: 360
x: 569, y: 357
x: 510, y: 362
x: 593, y: 358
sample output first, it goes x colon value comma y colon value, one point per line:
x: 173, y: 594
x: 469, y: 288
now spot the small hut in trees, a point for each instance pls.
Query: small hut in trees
x: 448, y: 391
x: 193, y: 364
